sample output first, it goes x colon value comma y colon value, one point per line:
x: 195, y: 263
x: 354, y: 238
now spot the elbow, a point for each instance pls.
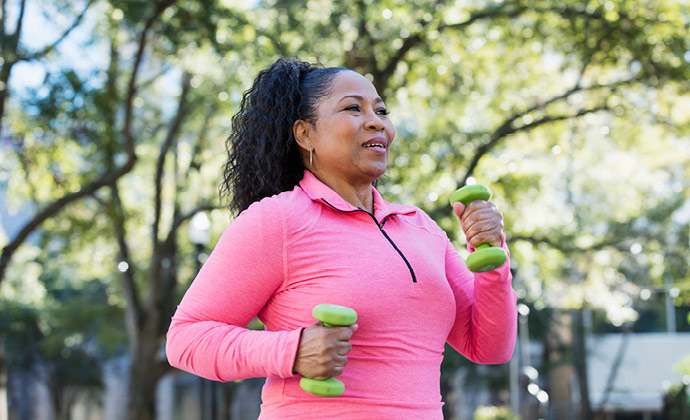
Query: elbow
x: 171, y: 353
x: 498, y: 355
x: 503, y: 357
x: 505, y: 350
x: 174, y: 349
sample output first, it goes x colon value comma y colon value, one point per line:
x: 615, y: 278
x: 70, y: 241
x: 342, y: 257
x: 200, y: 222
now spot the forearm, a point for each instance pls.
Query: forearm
x: 222, y: 352
x: 493, y: 328
x: 486, y: 312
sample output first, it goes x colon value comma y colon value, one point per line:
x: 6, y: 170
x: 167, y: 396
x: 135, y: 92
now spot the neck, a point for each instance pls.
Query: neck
x: 357, y: 194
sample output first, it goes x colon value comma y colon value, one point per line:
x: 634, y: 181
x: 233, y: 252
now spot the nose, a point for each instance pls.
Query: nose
x: 374, y: 121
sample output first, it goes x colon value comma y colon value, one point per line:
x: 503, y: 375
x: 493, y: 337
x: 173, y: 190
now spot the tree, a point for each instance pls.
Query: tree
x: 66, y: 116
x: 542, y: 100
x: 12, y: 52
x: 63, y: 339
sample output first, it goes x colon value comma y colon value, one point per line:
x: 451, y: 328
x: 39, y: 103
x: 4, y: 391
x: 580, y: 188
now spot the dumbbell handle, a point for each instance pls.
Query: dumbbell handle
x: 331, y: 316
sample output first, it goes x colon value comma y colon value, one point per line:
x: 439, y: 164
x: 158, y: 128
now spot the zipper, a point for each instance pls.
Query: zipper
x: 380, y: 226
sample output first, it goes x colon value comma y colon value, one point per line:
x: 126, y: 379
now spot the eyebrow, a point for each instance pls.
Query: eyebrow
x: 361, y: 98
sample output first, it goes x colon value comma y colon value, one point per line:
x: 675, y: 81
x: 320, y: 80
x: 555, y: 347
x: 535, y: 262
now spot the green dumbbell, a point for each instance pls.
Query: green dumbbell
x: 485, y: 257
x: 331, y: 316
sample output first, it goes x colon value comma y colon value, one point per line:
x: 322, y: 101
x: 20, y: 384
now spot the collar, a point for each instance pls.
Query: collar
x: 318, y: 191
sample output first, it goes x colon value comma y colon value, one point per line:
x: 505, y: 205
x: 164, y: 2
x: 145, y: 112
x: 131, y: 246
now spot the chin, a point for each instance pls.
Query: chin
x: 377, y: 173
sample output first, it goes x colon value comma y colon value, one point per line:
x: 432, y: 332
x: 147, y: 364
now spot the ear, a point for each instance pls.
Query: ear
x: 301, y: 131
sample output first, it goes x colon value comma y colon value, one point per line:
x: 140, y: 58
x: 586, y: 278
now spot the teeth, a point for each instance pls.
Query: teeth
x: 374, y: 145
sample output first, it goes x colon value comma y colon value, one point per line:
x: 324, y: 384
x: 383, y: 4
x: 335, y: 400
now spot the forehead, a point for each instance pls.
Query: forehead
x: 347, y: 83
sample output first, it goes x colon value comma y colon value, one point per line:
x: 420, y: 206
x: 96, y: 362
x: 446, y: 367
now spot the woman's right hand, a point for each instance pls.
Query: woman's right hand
x: 322, y: 351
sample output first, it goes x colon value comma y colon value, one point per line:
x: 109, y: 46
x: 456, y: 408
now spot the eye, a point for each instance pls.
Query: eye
x: 352, y: 108
x: 382, y: 111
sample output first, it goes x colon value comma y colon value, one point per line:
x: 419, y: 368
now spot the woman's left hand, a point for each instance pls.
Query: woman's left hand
x: 481, y: 221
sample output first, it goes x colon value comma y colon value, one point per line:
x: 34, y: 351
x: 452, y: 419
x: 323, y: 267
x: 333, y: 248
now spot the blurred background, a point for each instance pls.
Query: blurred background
x: 113, y: 117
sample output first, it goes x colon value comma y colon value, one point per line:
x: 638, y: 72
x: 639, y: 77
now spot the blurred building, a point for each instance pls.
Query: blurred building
x: 629, y: 373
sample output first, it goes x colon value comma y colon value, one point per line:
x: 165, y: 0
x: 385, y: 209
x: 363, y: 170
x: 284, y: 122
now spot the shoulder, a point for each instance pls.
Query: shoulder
x: 420, y: 219
x: 290, y: 211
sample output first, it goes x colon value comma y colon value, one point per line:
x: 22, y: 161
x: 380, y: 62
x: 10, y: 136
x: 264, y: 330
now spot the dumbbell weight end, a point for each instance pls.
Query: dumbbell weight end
x: 330, y: 387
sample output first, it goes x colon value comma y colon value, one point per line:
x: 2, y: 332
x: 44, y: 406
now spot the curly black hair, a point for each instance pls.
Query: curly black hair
x: 263, y: 156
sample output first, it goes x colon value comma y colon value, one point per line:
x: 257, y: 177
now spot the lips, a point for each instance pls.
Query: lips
x: 376, y: 143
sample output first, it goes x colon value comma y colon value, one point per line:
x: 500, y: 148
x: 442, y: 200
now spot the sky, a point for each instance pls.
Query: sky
x: 41, y: 28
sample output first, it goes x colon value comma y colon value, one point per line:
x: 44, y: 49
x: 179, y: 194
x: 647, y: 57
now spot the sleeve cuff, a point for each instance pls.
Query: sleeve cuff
x: 292, y: 346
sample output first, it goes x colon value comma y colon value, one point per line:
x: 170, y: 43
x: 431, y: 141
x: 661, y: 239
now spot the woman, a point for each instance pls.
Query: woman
x: 306, y: 147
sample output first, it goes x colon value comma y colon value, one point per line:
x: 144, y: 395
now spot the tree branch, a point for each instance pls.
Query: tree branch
x: 363, y: 31
x: 18, y: 25
x: 26, y: 168
x: 165, y: 69
x: 3, y: 10
x: 615, y: 368
x: 170, y: 138
x: 108, y: 179
x: 195, y: 161
x: 490, y: 12
x: 561, y: 244
x: 186, y: 216
x: 502, y: 10
x: 412, y: 41
x: 282, y: 50
x: 47, y: 49
x: 507, y: 128
x: 133, y: 310
x: 53, y: 208
x: 132, y: 85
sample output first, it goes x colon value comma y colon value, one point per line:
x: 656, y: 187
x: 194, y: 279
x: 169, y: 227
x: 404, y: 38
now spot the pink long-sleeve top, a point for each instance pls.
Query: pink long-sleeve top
x: 412, y: 292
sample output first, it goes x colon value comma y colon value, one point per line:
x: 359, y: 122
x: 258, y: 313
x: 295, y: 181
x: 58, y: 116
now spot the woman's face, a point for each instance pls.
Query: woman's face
x: 352, y: 134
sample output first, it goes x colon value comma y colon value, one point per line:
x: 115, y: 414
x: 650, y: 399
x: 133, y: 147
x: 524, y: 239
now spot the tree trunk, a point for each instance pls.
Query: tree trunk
x: 4, y: 408
x: 143, y: 376
x: 580, y: 360
x: 559, y: 339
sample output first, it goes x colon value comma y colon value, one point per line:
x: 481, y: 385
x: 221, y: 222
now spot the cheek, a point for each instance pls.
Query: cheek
x: 391, y: 130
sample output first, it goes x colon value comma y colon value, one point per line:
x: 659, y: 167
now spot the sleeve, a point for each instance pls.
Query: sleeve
x: 207, y: 335
x: 485, y: 326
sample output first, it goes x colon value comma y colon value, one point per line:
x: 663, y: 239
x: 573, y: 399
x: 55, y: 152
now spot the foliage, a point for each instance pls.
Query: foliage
x: 575, y: 113
x: 71, y: 331
x: 676, y: 403
x: 683, y: 366
x: 495, y: 413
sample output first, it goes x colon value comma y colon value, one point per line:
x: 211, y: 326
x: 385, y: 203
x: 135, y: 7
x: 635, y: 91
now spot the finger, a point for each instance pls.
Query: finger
x: 488, y: 226
x: 481, y: 216
x: 458, y: 208
x: 490, y: 238
x: 337, y: 371
x: 473, y: 215
x: 493, y: 228
x: 345, y: 348
x: 479, y: 208
x: 340, y: 361
x: 344, y: 333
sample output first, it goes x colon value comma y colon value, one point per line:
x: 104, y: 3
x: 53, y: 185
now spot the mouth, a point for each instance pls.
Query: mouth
x: 376, y: 143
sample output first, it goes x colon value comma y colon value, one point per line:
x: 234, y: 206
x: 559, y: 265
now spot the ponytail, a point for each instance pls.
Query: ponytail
x: 263, y: 156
